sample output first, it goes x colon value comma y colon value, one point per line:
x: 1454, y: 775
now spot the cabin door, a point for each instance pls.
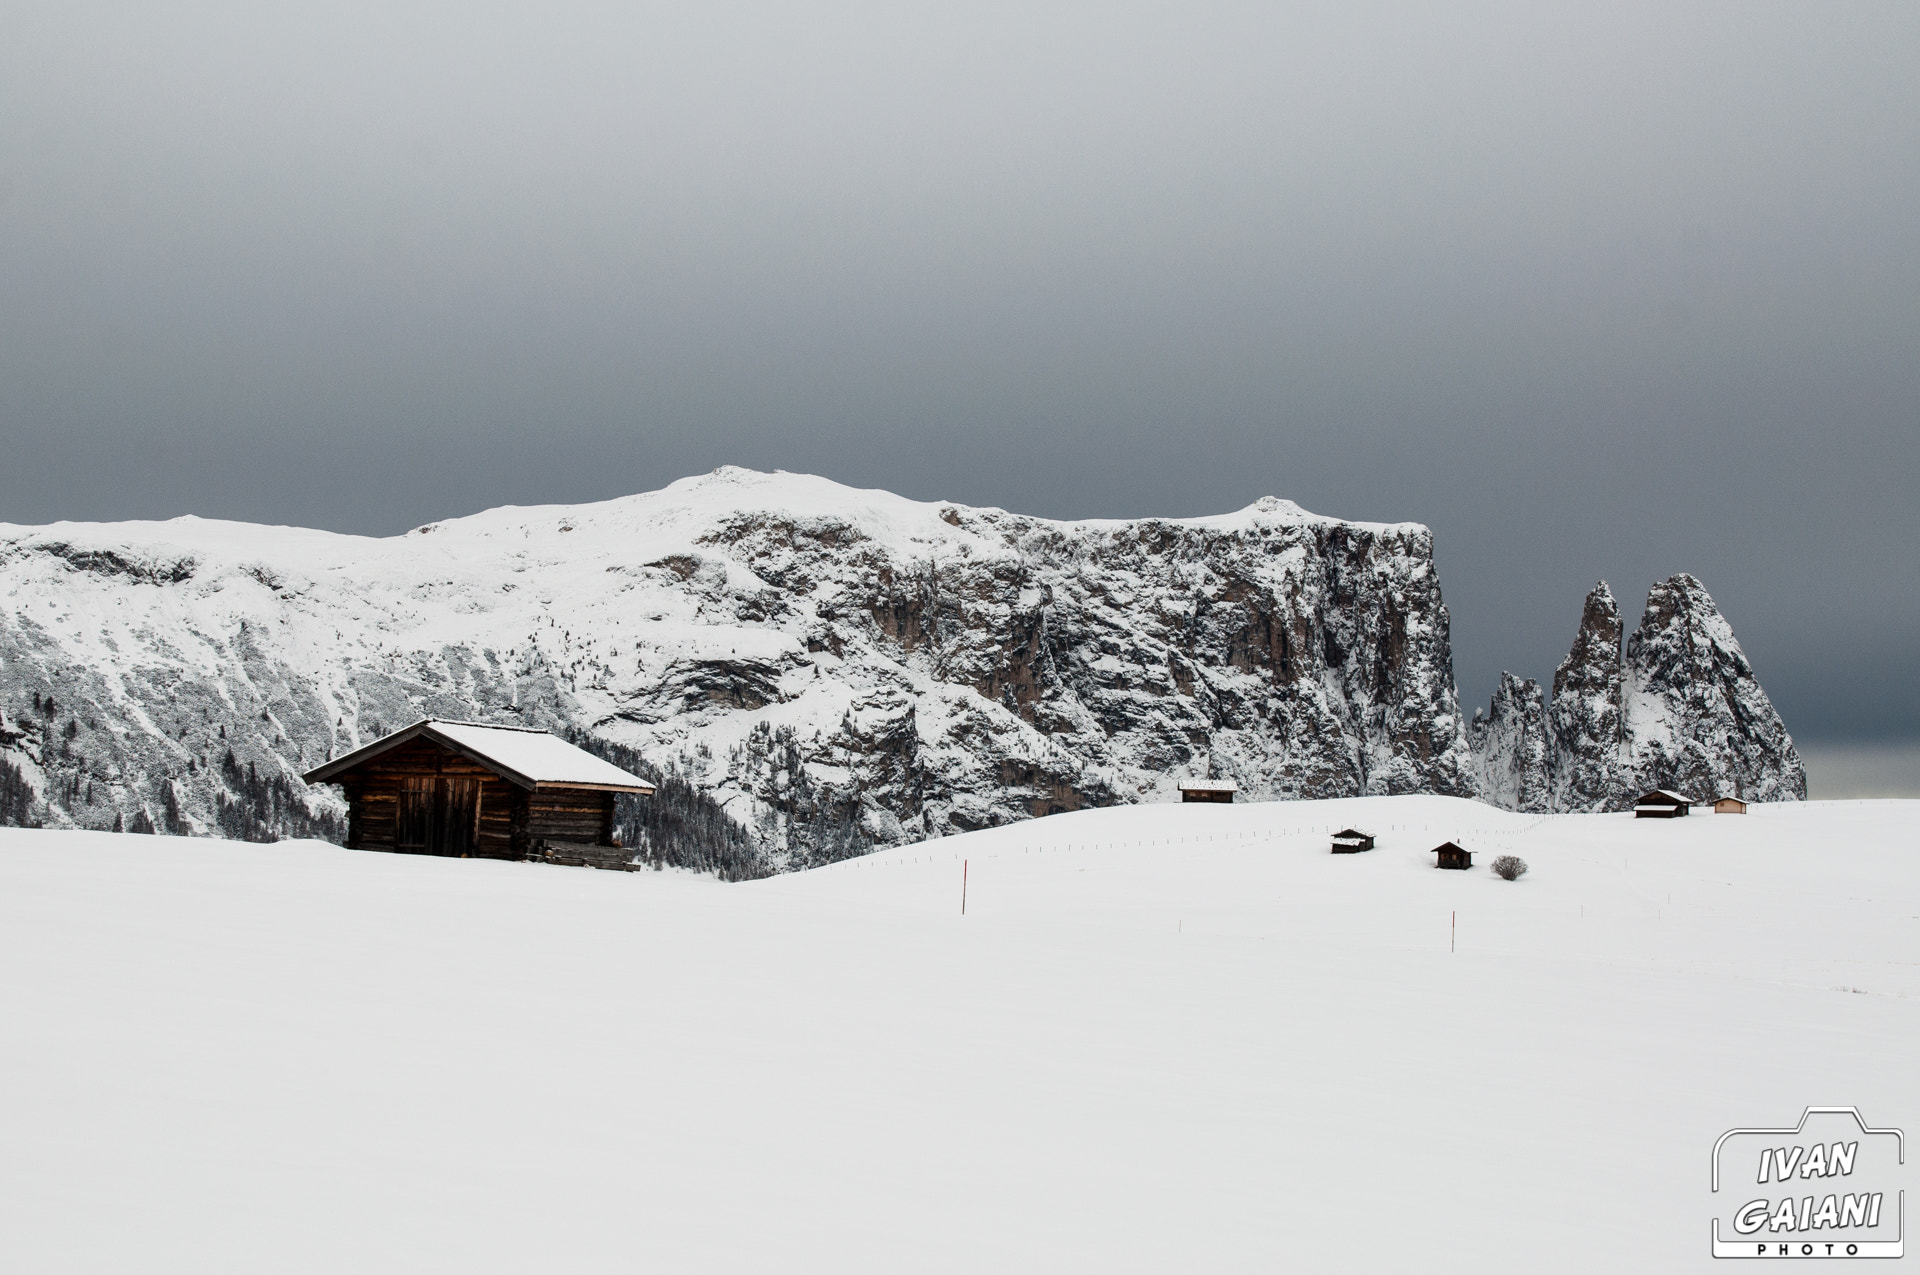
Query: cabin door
x: 413, y: 821
x: 437, y: 816
x: 459, y: 810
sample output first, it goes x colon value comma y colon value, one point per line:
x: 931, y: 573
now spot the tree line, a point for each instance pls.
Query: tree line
x: 679, y: 826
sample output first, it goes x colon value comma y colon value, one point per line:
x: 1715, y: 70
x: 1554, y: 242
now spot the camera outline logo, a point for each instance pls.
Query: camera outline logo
x: 1804, y: 1212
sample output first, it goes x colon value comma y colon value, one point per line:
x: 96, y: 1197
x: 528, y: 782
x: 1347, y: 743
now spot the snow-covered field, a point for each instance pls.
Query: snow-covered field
x: 1162, y: 1038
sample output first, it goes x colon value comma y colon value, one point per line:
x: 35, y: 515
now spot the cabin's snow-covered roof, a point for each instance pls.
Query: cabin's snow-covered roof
x: 1208, y: 785
x: 1352, y: 834
x: 1661, y: 797
x: 530, y: 757
x: 540, y: 756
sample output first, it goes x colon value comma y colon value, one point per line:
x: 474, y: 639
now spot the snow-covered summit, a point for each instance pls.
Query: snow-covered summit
x: 690, y: 511
x: 680, y: 517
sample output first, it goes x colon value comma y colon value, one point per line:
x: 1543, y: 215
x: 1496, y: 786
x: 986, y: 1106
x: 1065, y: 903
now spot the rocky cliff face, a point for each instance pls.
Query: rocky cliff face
x: 839, y: 668
x: 1678, y: 708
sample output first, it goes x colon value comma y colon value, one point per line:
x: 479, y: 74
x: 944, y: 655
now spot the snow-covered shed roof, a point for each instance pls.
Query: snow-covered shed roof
x: 1661, y: 797
x: 1352, y: 834
x: 530, y: 758
x: 1208, y: 785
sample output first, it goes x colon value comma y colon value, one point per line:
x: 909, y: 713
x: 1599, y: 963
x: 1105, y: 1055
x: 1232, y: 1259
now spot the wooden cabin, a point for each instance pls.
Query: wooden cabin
x: 1729, y: 806
x: 1208, y: 790
x: 1660, y: 804
x: 486, y: 792
x: 1352, y: 841
x: 1449, y: 855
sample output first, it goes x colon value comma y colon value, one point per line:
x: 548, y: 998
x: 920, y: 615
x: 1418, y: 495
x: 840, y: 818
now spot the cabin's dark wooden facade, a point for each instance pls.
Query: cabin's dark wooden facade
x: 1661, y: 804
x: 424, y: 798
x: 428, y: 795
x: 1213, y: 790
x: 1449, y: 855
x: 1352, y: 841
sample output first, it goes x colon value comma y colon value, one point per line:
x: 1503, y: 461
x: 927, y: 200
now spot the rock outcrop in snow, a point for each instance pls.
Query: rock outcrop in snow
x: 1679, y: 708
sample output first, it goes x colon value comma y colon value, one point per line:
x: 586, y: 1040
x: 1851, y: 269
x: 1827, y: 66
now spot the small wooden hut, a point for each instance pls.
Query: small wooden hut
x: 1729, y: 806
x: 489, y: 792
x: 1449, y: 855
x: 1352, y: 841
x: 1660, y: 804
x: 1208, y: 790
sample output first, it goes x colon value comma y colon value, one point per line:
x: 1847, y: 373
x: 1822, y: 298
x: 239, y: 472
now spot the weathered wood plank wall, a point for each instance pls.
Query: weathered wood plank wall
x: 374, y: 798
x: 577, y: 814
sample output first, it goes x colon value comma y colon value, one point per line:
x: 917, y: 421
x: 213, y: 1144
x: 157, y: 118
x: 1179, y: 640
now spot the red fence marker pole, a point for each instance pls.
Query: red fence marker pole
x: 1453, y: 928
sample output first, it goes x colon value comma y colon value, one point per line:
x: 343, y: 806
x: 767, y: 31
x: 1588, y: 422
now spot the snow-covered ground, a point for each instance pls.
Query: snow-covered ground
x: 1162, y: 1038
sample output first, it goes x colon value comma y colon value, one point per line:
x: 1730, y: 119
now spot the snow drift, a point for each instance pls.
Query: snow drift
x: 1162, y: 1038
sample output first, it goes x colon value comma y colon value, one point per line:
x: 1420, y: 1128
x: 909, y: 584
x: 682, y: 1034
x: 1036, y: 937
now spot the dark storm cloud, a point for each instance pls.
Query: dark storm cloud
x: 1593, y: 290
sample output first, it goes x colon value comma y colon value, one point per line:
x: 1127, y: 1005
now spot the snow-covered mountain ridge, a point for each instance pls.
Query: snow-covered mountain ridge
x: 840, y: 668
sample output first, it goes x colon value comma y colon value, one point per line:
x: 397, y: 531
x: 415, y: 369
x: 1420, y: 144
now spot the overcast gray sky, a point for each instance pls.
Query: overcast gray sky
x: 1595, y: 290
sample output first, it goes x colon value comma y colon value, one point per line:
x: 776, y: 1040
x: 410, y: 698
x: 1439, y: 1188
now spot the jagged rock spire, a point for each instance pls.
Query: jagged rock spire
x: 1680, y: 709
x: 1701, y: 724
x: 1587, y: 716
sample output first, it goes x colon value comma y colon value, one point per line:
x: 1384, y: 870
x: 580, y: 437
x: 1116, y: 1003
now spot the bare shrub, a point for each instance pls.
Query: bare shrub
x: 1509, y: 867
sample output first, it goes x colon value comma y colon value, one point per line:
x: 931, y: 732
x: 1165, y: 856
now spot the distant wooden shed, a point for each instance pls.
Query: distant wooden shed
x: 1208, y: 790
x: 1729, y: 806
x: 1660, y: 804
x: 1352, y: 841
x: 1449, y: 855
x: 490, y: 792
